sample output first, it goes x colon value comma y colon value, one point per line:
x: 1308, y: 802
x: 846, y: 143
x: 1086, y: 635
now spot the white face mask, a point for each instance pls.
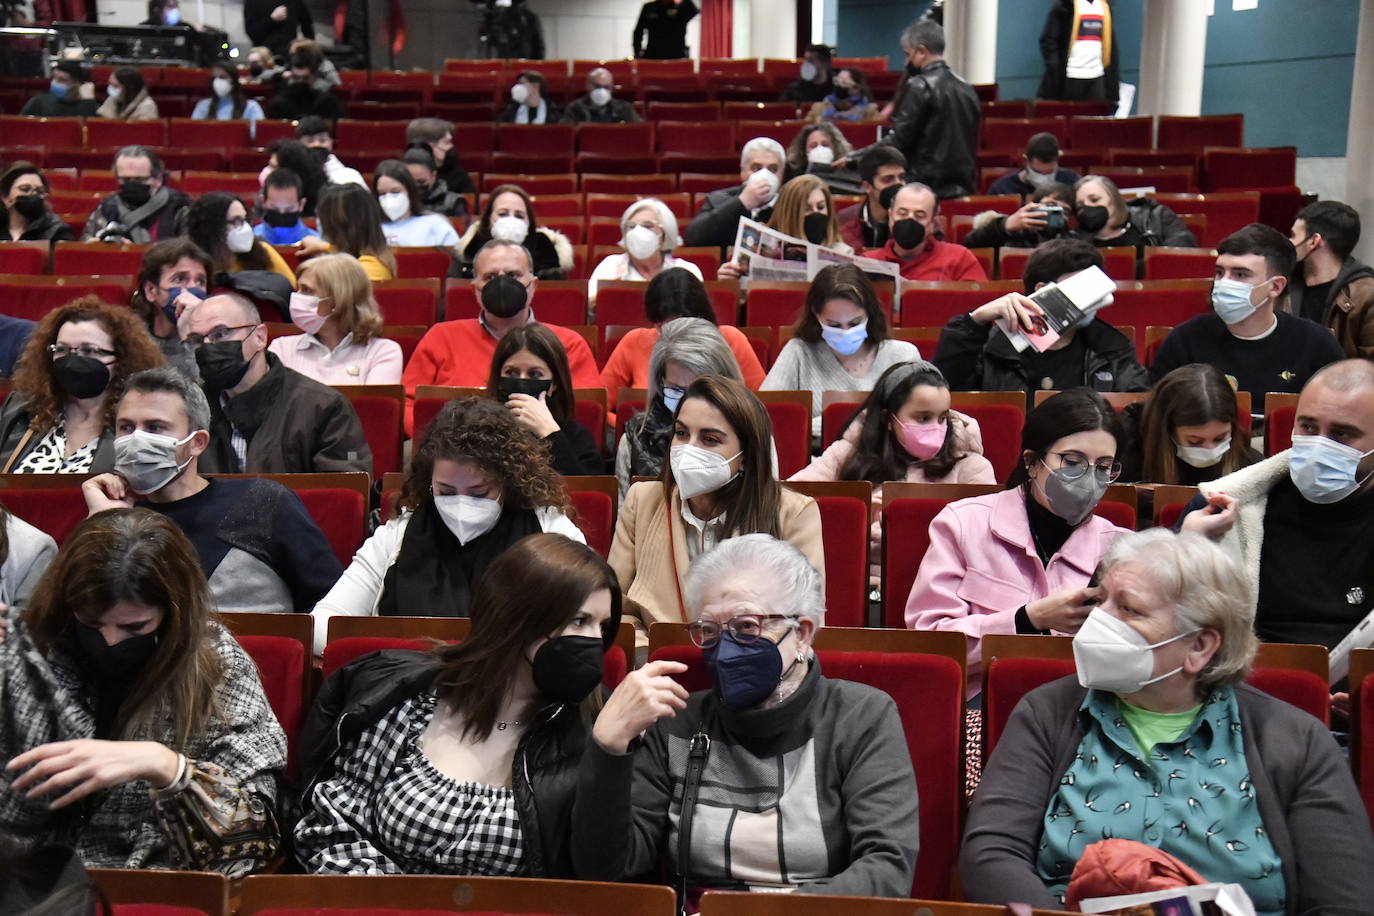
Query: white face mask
x: 697, y: 470
x: 305, y: 313
x: 240, y: 239
x: 1110, y: 655
x: 808, y: 71
x: 642, y: 242
x: 113, y: 92
x: 767, y: 177
x: 395, y: 204
x: 222, y: 86
x: 510, y: 229
x: 1038, y: 179
x: 519, y: 93
x: 468, y: 517
x: 601, y: 96
x: 148, y: 460
x: 1200, y: 456
x: 820, y: 155
x: 1324, y: 470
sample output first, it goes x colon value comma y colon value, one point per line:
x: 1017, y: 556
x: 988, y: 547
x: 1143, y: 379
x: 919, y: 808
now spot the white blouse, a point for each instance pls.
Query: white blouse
x: 377, y: 362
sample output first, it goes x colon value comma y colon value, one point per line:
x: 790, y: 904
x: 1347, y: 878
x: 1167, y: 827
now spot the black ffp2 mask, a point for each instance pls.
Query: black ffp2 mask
x: 80, y: 376
x: 817, y: 227
x: 1092, y: 219
x: 222, y: 365
x: 533, y: 387
x: 505, y: 296
x: 908, y: 233
x: 568, y: 668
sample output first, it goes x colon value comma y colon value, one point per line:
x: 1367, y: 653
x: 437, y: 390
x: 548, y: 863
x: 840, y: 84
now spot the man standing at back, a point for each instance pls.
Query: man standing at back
x: 1078, y: 45
x: 936, y: 127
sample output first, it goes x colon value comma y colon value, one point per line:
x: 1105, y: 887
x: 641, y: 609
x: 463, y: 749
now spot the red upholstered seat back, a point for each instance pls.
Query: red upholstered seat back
x: 153, y: 909
x: 595, y: 517
x: 340, y: 514
x: 844, y: 530
x: 56, y: 511
x: 281, y: 665
x: 906, y: 537
x: 1365, y: 776
x: 1302, y: 689
x: 381, y: 421
x: 1008, y: 680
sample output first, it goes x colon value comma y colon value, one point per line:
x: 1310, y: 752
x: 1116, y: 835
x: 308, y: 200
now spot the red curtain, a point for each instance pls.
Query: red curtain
x: 717, y: 27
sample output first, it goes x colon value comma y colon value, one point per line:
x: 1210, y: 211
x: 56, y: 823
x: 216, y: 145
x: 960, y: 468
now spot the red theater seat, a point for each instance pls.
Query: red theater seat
x: 33, y: 297
x: 380, y: 409
x: 844, y: 507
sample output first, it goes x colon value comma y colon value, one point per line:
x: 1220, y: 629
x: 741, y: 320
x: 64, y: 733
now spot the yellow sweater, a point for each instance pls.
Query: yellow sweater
x: 277, y: 264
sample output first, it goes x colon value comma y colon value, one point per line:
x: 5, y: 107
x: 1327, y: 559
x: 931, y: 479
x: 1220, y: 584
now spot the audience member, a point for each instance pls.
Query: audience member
x: 772, y: 721
x: 131, y: 716
x: 342, y: 342
x: 259, y: 548
x: 1300, y: 522
x: 350, y: 221
x: 1259, y: 346
x: 687, y: 348
x: 672, y: 294
x: 434, y: 192
x: 287, y: 153
x: 59, y: 415
x: 840, y: 342
x: 904, y: 430
x: 816, y: 146
x: 408, y: 224
x: 328, y: 77
x: 864, y: 225
x: 1189, y: 431
x: 173, y: 277
x: 165, y: 13
x: 509, y: 217
x: 25, y: 554
x: 297, y: 97
x: 912, y: 243
x: 478, y: 482
x: 1035, y: 223
x: 274, y: 24
x: 530, y: 375
x: 26, y: 217
x: 1161, y: 663
x: 760, y: 174
x: 436, y: 135
x: 262, y: 64
x: 661, y: 30
x: 14, y: 335
x: 805, y: 210
x: 70, y: 94
x: 318, y: 136
x: 648, y: 235
x: 227, y: 101
x: 1078, y: 45
x: 1092, y: 353
x: 528, y: 102
x: 1019, y: 561
x: 599, y: 106
x: 851, y: 101
x: 265, y: 418
x: 218, y: 223
x: 126, y: 98
x: 144, y: 209
x: 1330, y: 287
x: 459, y: 352
x: 282, y: 207
x: 936, y: 125
x: 483, y: 736
x: 1107, y: 220
x: 815, y: 81
x: 1041, y: 169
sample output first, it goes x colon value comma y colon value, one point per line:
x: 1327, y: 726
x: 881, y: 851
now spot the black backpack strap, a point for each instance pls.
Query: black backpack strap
x: 696, y: 765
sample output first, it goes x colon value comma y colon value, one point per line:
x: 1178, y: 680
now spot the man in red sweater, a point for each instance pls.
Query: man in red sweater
x: 912, y: 243
x: 459, y: 352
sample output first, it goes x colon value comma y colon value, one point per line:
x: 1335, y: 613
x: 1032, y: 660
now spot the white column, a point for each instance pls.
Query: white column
x: 1359, y: 149
x: 980, y: 41
x: 772, y: 27
x: 1173, y: 49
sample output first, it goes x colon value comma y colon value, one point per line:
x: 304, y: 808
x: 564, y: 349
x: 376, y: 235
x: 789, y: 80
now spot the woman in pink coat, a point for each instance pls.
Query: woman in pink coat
x: 1019, y: 561
x: 904, y: 430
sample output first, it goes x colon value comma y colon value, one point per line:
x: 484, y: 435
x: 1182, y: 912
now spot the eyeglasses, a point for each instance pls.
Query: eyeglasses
x: 746, y: 628
x: 218, y: 335
x: 235, y: 223
x: 90, y: 351
x: 31, y: 190
x: 1074, y: 465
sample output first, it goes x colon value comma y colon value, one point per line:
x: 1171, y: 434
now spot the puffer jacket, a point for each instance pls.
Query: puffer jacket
x: 1159, y: 224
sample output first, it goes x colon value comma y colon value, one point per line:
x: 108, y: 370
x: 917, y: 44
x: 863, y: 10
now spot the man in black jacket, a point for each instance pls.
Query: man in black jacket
x: 298, y: 96
x: 144, y: 209
x: 664, y: 23
x: 69, y: 94
x: 760, y: 175
x: 599, y: 105
x: 936, y: 125
x: 274, y: 23
x: 1094, y: 354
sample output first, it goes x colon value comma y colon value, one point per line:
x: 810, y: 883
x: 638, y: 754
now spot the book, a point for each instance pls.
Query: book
x: 1065, y: 304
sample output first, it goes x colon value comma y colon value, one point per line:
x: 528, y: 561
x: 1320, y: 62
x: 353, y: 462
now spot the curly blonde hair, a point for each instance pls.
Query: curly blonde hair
x: 35, y: 382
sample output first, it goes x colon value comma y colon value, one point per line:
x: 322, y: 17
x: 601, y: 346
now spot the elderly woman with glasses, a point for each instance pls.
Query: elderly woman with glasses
x: 648, y: 235
x: 793, y: 782
x: 1159, y: 740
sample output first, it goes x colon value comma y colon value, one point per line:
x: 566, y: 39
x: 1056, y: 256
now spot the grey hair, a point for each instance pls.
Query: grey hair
x: 666, y: 219
x: 924, y: 33
x: 134, y: 151
x: 1206, y: 587
x: 151, y: 381
x: 694, y: 343
x: 592, y: 75
x: 921, y: 186
x: 495, y: 244
x: 799, y: 584
x: 762, y: 143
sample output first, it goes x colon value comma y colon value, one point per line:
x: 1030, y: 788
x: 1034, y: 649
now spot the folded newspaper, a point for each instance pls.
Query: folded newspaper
x: 1196, y: 900
x: 1065, y: 304
x: 766, y: 254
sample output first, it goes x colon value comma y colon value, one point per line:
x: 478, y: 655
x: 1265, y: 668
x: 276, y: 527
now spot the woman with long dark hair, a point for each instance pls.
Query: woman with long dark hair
x: 218, y: 222
x: 408, y: 223
x: 128, y: 98
x: 351, y: 223
x: 227, y: 101
x: 509, y: 216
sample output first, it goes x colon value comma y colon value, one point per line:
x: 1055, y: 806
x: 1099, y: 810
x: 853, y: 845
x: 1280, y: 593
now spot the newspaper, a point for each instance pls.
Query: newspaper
x: 766, y: 254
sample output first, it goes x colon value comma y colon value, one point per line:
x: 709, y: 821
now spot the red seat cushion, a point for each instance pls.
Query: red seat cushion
x: 1302, y: 689
x: 281, y: 665
x: 844, y: 529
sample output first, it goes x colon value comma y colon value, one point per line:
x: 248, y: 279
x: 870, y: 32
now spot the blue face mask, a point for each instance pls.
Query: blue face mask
x: 672, y: 396
x: 172, y: 16
x: 170, y: 309
x: 1324, y: 470
x: 281, y: 235
x: 58, y: 89
x: 744, y: 674
x: 845, y: 341
x: 1231, y: 300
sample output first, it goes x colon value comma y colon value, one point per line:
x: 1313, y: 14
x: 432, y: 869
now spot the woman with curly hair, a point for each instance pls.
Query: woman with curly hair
x: 59, y: 417
x: 815, y: 145
x: 218, y: 223
x: 478, y: 482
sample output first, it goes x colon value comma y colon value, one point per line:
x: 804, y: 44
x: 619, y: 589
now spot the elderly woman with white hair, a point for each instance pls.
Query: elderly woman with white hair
x: 1159, y: 740
x: 794, y: 782
x: 760, y: 173
x: 648, y: 233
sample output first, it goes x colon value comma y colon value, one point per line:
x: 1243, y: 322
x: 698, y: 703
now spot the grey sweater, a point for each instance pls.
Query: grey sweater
x: 1307, y: 800
x: 30, y: 553
x: 816, y: 793
x: 814, y: 367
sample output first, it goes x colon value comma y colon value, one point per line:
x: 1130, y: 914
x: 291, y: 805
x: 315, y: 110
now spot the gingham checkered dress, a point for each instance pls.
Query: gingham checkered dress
x: 388, y: 810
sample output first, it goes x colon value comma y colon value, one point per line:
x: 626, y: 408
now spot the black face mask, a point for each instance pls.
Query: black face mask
x: 320, y: 153
x: 278, y: 219
x: 222, y: 364
x: 908, y: 233
x: 30, y: 206
x: 255, y: 69
x: 533, y: 387
x: 887, y: 195
x: 816, y: 226
x: 134, y: 194
x: 124, y: 659
x: 567, y: 668
x: 504, y: 297
x: 80, y: 376
x: 1092, y: 219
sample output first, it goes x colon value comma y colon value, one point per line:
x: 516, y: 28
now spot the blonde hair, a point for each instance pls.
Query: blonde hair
x: 789, y: 214
x: 343, y: 279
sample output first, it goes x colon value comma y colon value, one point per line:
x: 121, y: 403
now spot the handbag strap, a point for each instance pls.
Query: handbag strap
x: 19, y: 450
x: 691, y: 787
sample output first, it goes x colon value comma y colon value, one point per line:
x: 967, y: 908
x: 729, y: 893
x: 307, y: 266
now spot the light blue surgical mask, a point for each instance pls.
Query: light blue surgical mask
x: 58, y: 89
x: 845, y: 341
x: 172, y: 16
x: 1324, y: 470
x: 672, y: 396
x: 1231, y: 299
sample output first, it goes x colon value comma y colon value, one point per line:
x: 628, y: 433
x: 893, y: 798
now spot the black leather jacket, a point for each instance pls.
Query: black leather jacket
x: 543, y: 773
x: 936, y: 128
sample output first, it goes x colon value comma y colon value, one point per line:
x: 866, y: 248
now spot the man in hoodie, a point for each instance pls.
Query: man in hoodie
x: 1330, y: 287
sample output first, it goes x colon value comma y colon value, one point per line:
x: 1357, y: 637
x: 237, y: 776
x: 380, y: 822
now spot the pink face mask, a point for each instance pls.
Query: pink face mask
x: 921, y: 440
x: 262, y: 176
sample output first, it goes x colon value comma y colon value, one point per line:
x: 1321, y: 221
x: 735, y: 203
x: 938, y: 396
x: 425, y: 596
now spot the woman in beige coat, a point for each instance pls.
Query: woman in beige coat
x: 717, y: 484
x: 128, y: 98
